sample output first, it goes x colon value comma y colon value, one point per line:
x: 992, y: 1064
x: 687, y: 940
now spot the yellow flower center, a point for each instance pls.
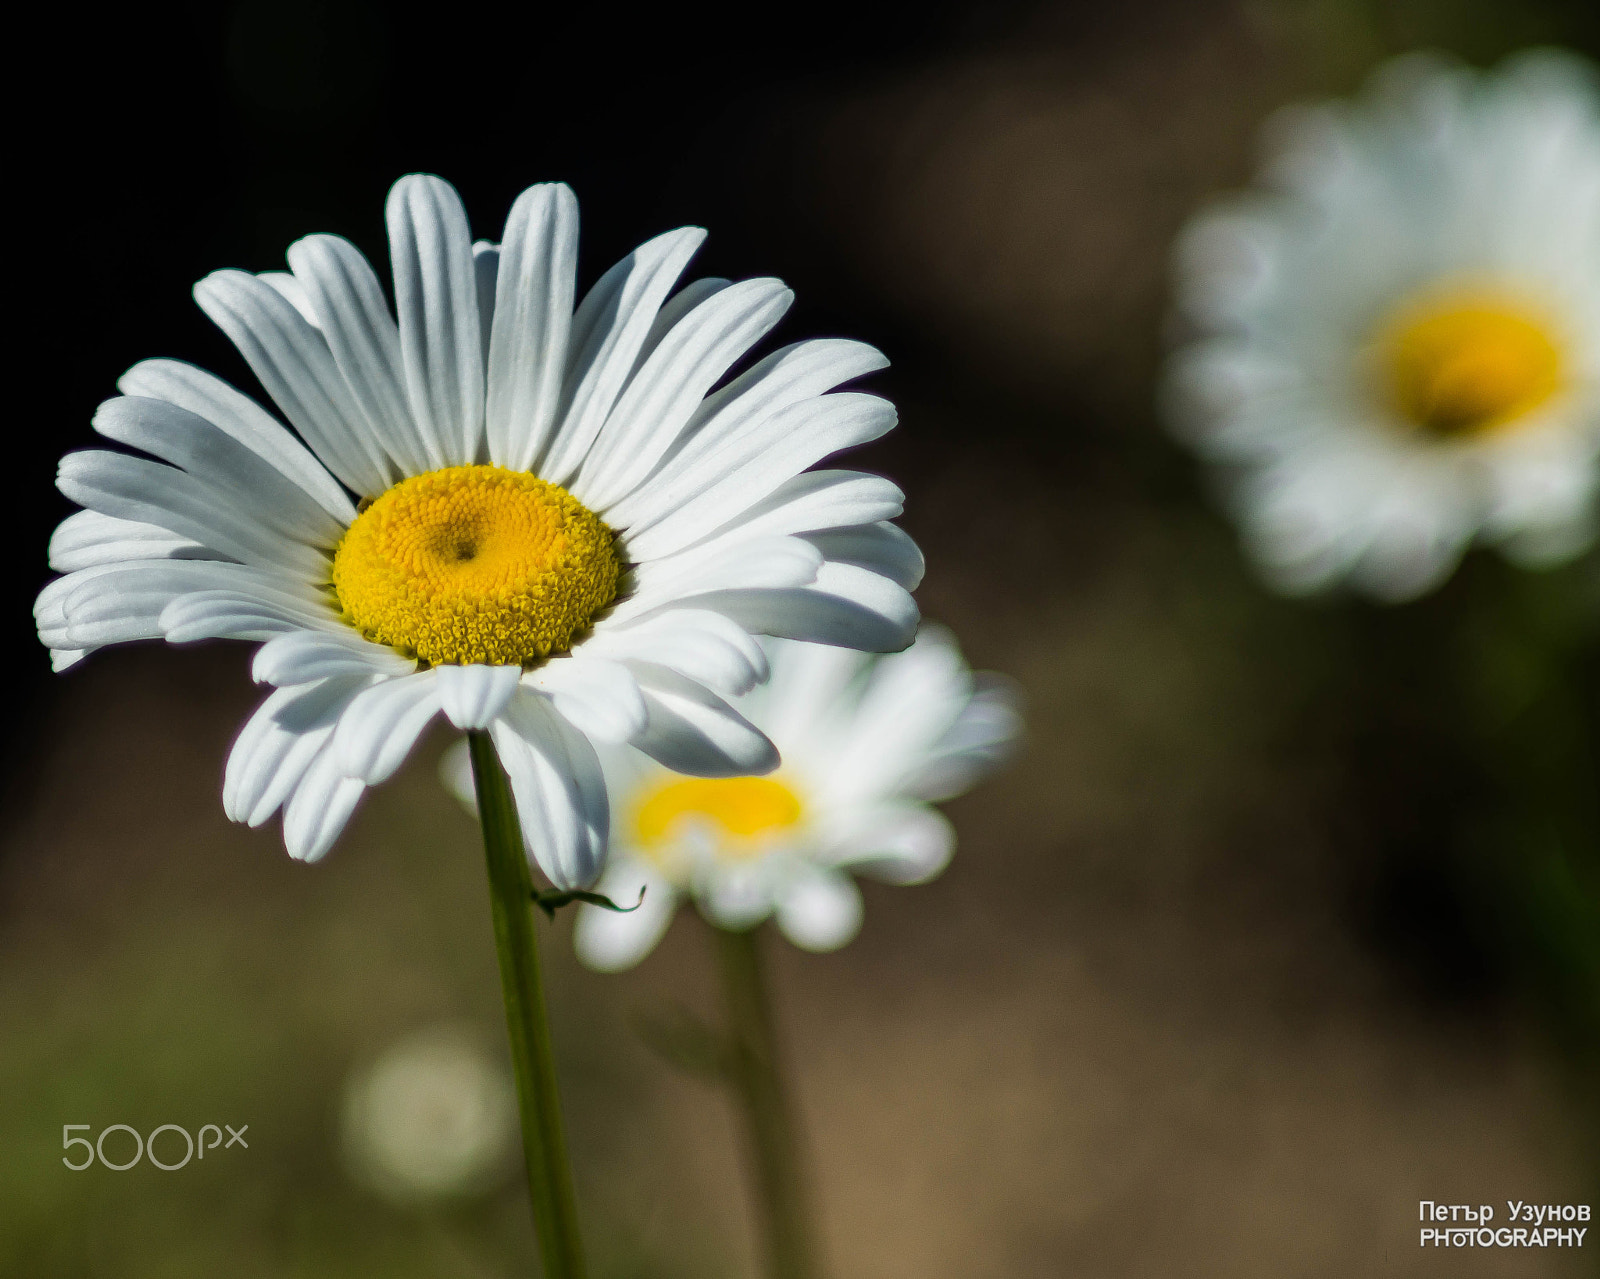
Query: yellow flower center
x: 743, y: 814
x: 1467, y: 361
x: 475, y: 564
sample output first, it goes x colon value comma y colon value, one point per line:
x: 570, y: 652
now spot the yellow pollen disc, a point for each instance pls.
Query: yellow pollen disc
x: 743, y: 813
x: 475, y: 564
x: 1469, y: 361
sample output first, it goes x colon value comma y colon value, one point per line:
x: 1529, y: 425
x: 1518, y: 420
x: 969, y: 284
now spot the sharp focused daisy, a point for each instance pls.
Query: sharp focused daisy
x: 867, y: 743
x: 1401, y: 331
x: 559, y: 523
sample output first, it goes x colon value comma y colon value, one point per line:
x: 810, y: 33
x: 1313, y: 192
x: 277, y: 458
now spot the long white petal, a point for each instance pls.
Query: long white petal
x: 737, y: 565
x: 600, y: 698
x: 320, y: 808
x: 611, y: 325
x: 436, y: 300
x: 87, y: 538
x: 534, y: 292
x: 846, y: 605
x: 186, y: 440
x: 559, y: 789
x: 292, y: 361
x: 245, y: 615
x: 347, y: 298
x: 697, y: 643
x: 134, y: 488
x: 879, y: 548
x: 472, y: 696
x: 709, y: 445
x: 692, y: 730
x: 759, y: 462
x: 663, y: 395
x: 278, y: 743
x: 236, y: 414
x: 303, y: 656
x: 810, y: 501
x: 379, y: 728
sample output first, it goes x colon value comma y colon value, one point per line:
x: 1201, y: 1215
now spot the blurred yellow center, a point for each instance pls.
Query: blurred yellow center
x: 744, y: 812
x: 475, y: 564
x: 1469, y: 361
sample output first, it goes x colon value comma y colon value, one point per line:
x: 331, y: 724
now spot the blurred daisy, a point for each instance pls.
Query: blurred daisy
x: 868, y: 745
x: 1401, y: 330
x: 432, y: 1117
x: 536, y: 518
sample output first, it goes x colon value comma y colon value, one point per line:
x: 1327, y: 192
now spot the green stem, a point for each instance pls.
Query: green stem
x: 755, y: 1073
x: 555, y: 1209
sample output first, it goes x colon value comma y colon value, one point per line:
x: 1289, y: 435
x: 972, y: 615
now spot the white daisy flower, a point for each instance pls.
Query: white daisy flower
x: 539, y: 519
x: 868, y: 744
x: 1401, y: 348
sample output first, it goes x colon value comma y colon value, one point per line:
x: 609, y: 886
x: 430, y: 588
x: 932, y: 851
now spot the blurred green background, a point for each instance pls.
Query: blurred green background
x: 1285, y: 919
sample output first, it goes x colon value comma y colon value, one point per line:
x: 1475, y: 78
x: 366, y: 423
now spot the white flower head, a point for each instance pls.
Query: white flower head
x: 561, y: 521
x: 432, y: 1117
x: 1400, y: 331
x: 868, y: 744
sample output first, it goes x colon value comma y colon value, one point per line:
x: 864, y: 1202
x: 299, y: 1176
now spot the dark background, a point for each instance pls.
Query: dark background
x: 1262, y: 940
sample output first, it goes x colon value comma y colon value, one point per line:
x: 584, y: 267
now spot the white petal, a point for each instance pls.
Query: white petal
x: 249, y: 614
x: 379, y: 728
x: 820, y: 912
x: 236, y: 414
x: 900, y: 843
x: 610, y: 941
x: 846, y: 605
x: 534, y: 293
x: 598, y: 697
x: 303, y: 656
x: 697, y: 643
x: 740, y: 410
x: 293, y: 291
x: 559, y: 789
x: 485, y: 267
x: 436, y: 299
x: 320, y: 808
x: 88, y: 538
x: 134, y: 488
x: 278, y: 743
x: 660, y: 399
x: 732, y: 565
x: 291, y: 359
x: 125, y: 601
x: 984, y: 735
x: 348, y: 301
x: 811, y: 501
x: 471, y: 696
x: 692, y: 730
x: 608, y: 331
x: 879, y: 548
x: 756, y: 464
x: 185, y: 440
x: 909, y: 702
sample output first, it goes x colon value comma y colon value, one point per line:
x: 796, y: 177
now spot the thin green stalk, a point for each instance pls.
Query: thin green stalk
x: 555, y: 1209
x: 755, y: 1072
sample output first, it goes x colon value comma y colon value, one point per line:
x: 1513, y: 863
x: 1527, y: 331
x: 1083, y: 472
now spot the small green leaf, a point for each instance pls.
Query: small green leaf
x: 556, y: 898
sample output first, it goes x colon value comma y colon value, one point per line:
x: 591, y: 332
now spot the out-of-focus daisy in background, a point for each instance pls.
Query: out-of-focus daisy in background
x: 432, y: 1117
x: 868, y: 745
x: 516, y: 509
x: 1399, y: 330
